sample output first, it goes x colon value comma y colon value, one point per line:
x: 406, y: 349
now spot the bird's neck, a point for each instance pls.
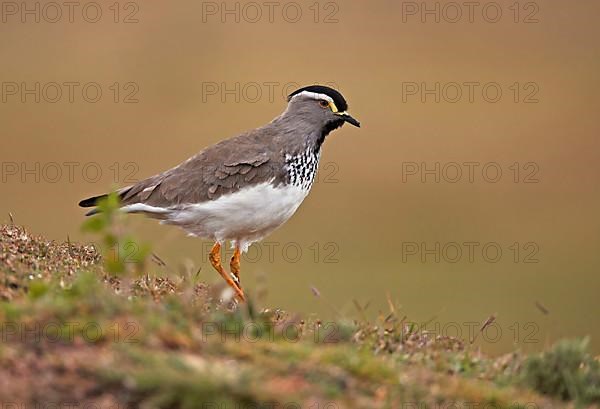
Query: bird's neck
x: 303, y: 134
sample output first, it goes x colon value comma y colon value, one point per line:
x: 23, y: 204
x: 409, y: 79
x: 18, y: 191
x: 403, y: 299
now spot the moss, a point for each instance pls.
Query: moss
x: 567, y: 371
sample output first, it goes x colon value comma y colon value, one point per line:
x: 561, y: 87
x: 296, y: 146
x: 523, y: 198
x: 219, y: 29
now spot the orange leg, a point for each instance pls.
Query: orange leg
x: 235, y: 266
x: 215, y: 260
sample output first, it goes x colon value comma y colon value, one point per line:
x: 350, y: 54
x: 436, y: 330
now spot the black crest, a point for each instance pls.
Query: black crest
x: 338, y: 99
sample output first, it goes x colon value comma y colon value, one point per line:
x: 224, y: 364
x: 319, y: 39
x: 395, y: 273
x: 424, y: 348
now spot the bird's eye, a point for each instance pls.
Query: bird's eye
x: 324, y: 103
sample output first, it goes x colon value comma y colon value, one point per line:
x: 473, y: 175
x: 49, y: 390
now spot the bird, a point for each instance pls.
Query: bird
x: 242, y: 188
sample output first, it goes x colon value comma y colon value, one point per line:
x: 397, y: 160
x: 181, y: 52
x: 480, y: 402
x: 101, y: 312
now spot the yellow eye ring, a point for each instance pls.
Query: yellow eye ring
x: 323, y: 103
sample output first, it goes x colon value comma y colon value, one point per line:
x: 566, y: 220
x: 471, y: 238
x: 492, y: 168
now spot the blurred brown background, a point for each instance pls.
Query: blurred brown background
x: 175, y: 62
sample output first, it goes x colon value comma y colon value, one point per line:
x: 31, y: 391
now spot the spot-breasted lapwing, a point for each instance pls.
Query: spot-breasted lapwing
x: 243, y: 188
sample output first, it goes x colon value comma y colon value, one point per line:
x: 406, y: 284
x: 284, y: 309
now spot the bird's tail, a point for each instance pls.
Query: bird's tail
x: 92, y: 202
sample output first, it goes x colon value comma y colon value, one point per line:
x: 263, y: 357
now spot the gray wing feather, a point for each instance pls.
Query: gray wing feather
x: 218, y: 170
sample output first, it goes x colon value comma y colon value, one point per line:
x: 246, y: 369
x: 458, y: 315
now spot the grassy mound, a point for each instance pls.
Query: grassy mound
x: 79, y: 328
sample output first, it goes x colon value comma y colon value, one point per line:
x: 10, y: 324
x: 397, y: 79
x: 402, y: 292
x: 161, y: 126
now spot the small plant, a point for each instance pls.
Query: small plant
x: 121, y: 253
x: 567, y: 371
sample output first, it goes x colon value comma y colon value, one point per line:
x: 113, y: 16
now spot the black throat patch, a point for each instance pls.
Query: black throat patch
x: 330, y: 126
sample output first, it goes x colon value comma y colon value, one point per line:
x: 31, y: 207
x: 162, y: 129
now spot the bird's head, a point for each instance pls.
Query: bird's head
x: 320, y: 106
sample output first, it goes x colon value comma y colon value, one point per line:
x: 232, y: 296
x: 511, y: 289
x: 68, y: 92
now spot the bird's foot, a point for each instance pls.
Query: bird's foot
x: 215, y: 260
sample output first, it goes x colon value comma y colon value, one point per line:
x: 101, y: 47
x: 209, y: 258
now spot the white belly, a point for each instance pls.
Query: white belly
x: 243, y: 217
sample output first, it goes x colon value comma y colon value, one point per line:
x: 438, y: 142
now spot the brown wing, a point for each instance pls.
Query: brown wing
x: 220, y: 169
